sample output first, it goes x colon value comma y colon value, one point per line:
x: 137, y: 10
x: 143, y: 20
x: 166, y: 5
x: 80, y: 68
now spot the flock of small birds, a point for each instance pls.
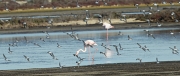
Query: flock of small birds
x: 118, y: 48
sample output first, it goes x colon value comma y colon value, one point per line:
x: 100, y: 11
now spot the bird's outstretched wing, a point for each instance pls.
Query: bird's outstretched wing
x: 139, y: 45
x: 4, y: 57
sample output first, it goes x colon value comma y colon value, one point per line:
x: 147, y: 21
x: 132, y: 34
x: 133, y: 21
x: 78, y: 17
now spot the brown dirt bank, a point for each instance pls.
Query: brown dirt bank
x: 169, y: 68
x: 88, y: 27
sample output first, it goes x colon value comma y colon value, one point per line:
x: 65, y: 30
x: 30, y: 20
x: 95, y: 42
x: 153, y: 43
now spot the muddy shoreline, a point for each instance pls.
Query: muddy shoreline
x: 91, y: 27
x: 116, y: 69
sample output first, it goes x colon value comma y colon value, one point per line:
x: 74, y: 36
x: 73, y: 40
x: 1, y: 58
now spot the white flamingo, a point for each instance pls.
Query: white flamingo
x: 107, y: 26
x: 87, y: 43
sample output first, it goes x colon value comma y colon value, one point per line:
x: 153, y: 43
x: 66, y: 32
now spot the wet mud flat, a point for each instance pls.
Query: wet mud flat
x: 116, y: 69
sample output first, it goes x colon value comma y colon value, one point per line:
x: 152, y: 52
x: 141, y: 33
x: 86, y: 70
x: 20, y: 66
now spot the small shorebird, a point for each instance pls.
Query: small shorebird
x: 26, y: 39
x: 47, y: 37
x: 120, y: 33
x: 60, y: 66
x: 78, y: 63
x: 158, y: 24
x: 16, y: 40
x: 9, y: 50
x: 58, y: 45
x: 75, y: 36
x: 174, y: 50
x: 172, y: 33
x: 139, y: 45
x: 52, y: 55
x: 157, y: 60
x: 5, y: 58
x: 140, y: 60
x: 103, y: 53
x: 120, y: 47
x: 105, y: 46
x: 13, y: 44
x: 80, y: 59
x: 70, y: 34
x: 116, y: 49
x: 27, y: 58
x: 42, y: 39
x: 129, y: 38
x: 37, y: 44
x: 152, y: 36
x: 145, y: 48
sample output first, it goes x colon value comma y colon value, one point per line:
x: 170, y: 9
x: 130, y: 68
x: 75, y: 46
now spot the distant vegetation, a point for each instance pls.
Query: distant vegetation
x: 36, y: 4
x: 156, y: 16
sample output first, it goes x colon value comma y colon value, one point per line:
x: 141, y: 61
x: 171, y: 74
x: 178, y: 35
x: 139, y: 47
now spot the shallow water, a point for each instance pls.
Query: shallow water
x: 39, y: 58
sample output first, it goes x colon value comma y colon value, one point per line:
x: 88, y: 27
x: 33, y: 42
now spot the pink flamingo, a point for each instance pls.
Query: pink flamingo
x: 107, y: 26
x: 87, y: 43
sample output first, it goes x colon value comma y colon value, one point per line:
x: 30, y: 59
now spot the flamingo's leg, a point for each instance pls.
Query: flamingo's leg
x: 89, y: 52
x: 94, y: 53
x: 107, y: 35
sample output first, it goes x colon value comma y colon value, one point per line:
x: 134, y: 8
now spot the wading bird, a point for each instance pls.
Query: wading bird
x: 107, y: 26
x: 87, y: 44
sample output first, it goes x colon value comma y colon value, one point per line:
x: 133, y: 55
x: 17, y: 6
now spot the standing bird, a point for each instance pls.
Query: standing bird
x: 129, y: 38
x: 140, y: 60
x: 120, y: 33
x: 26, y: 39
x: 107, y: 26
x: 157, y: 61
x: 158, y: 24
x: 149, y: 22
x: 58, y: 45
x: 120, y: 47
x: 9, y: 51
x: 87, y: 43
x: 60, y: 66
x: 78, y: 63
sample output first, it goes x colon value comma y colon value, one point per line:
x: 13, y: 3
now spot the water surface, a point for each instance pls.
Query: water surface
x: 39, y: 58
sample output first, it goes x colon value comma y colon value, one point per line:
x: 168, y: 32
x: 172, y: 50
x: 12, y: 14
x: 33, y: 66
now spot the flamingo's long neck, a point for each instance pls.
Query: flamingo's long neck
x: 81, y: 50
